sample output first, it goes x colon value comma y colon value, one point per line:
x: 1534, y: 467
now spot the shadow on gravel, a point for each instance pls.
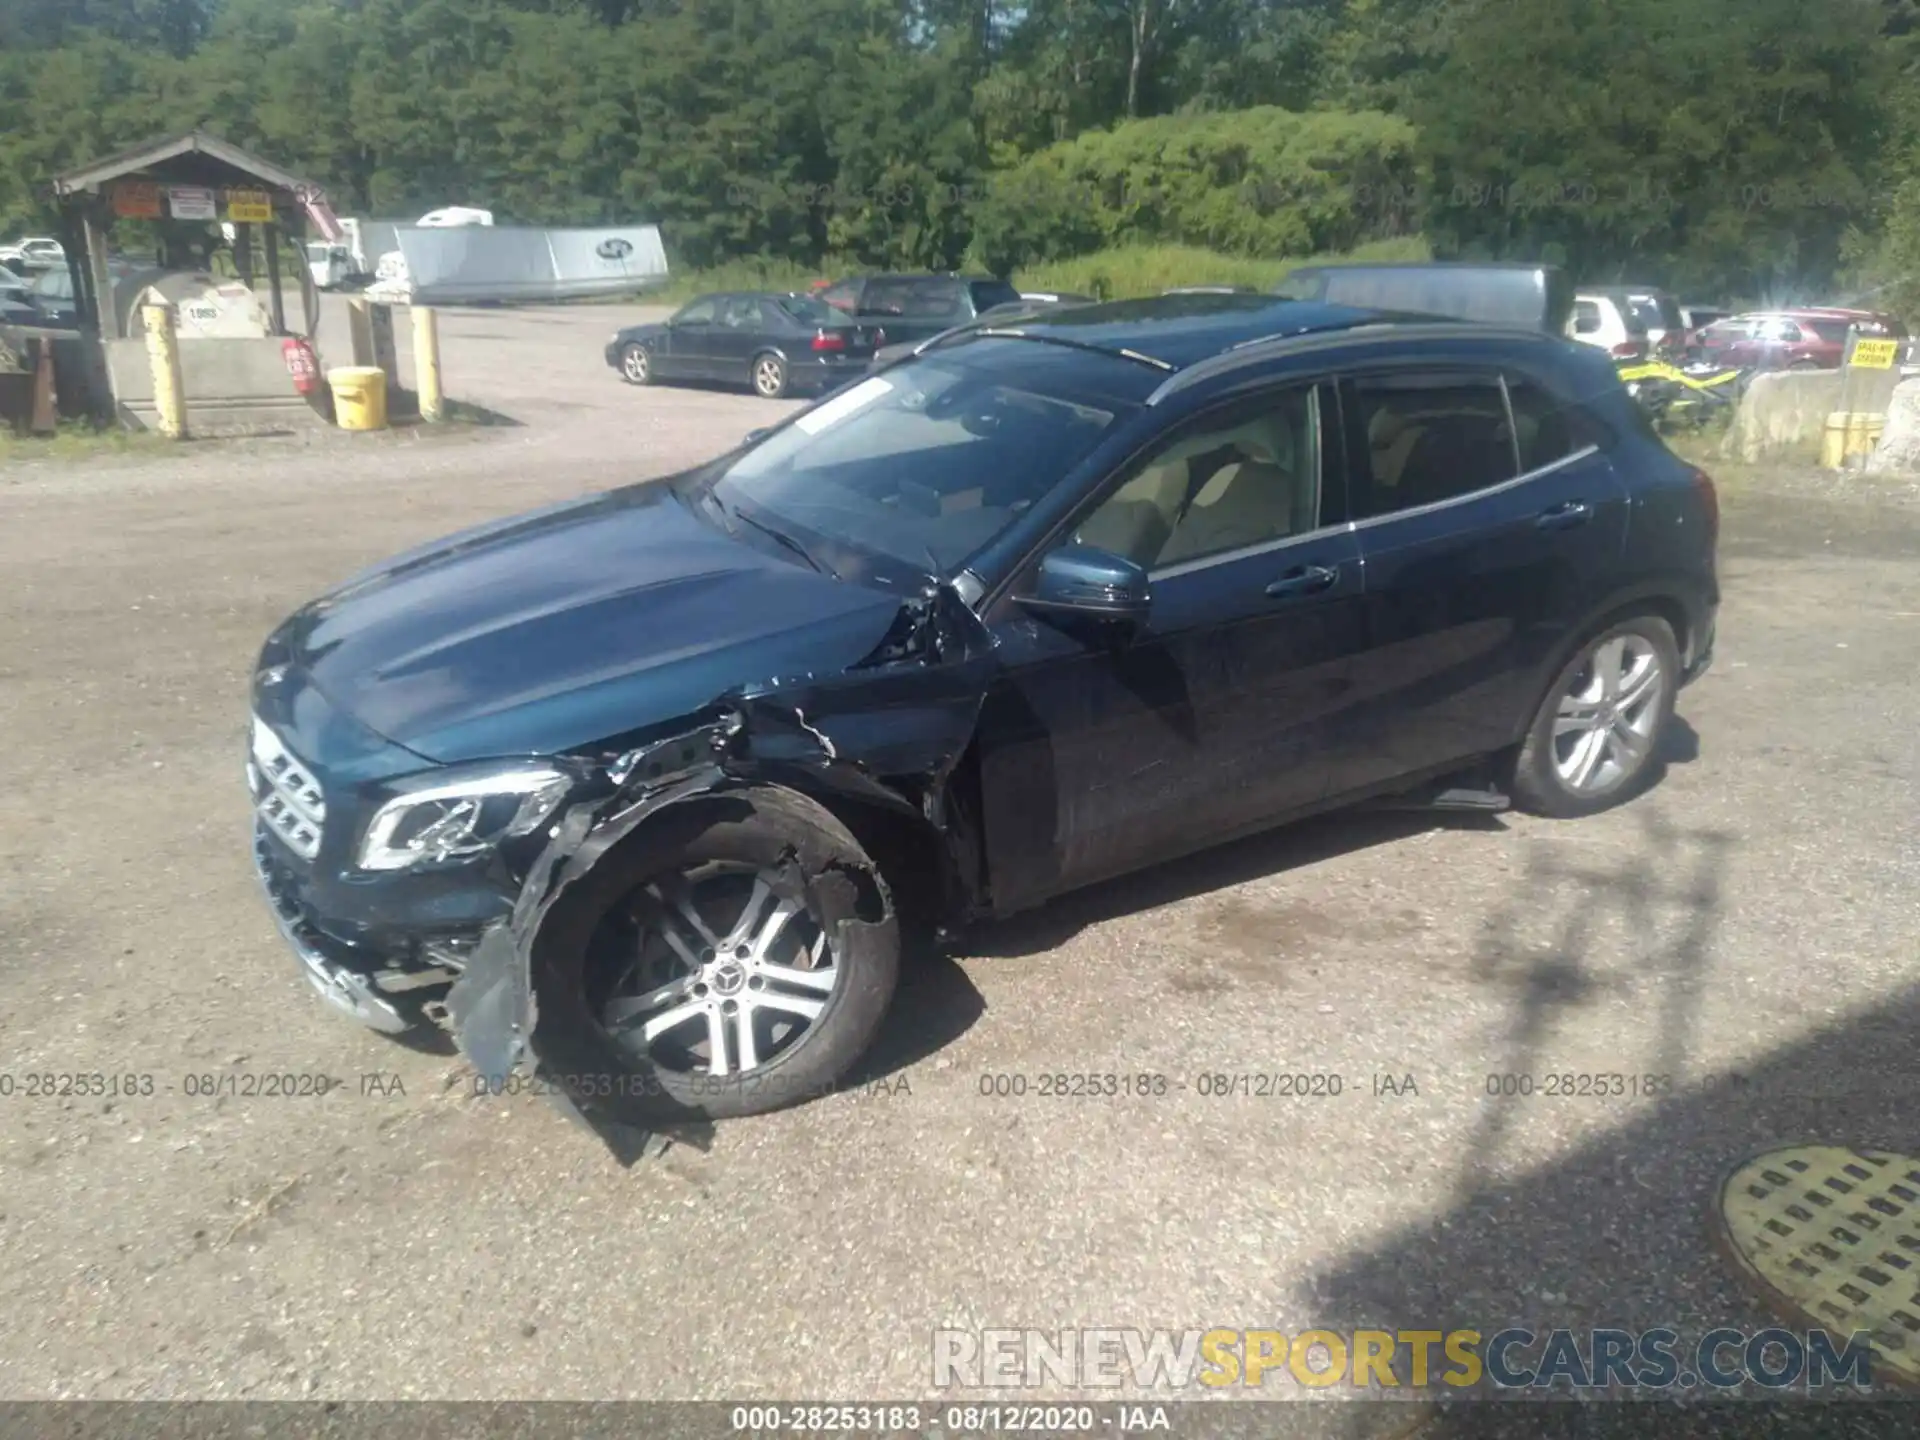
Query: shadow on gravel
x: 1620, y: 1232
x: 934, y: 1006
x: 1290, y: 848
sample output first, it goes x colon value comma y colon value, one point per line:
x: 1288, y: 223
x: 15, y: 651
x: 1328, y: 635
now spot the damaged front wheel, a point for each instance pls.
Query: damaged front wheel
x: 742, y: 961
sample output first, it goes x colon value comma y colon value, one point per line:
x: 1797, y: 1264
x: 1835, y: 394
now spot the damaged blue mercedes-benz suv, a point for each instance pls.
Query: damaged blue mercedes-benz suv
x: 642, y: 792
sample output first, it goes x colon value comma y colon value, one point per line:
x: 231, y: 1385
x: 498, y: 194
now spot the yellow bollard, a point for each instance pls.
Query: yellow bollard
x: 426, y: 362
x: 163, y: 354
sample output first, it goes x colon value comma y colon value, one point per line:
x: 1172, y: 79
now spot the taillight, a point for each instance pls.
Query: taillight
x: 1709, y: 503
x: 1629, y: 350
x: 828, y: 340
x: 879, y: 338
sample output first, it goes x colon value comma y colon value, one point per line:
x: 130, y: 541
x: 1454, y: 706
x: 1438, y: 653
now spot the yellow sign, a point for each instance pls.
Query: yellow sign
x: 1875, y: 354
x: 136, y: 200
x: 250, y: 207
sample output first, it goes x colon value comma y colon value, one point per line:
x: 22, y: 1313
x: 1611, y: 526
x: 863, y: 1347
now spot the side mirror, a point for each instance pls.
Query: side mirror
x: 1093, y: 584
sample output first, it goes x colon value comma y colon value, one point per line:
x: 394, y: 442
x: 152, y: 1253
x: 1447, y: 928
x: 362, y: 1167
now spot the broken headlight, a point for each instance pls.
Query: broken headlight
x: 459, y: 819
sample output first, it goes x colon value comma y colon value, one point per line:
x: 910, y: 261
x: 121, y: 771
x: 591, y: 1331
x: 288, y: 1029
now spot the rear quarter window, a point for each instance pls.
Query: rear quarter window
x: 934, y: 300
x: 1547, y: 427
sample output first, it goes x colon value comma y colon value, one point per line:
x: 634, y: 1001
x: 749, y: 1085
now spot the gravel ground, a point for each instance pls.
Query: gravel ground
x: 1754, y: 916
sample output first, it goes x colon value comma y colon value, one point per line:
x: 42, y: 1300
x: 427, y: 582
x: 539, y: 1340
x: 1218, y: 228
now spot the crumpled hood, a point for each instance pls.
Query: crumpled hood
x: 573, y: 625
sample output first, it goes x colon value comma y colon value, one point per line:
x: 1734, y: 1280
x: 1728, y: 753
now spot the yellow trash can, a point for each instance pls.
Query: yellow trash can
x: 1848, y: 433
x: 359, y: 396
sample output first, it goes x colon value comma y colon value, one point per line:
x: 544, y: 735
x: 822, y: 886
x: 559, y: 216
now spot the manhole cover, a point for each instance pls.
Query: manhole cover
x: 1833, y: 1234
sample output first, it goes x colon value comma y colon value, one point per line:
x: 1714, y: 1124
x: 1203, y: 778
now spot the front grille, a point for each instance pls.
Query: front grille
x: 285, y: 795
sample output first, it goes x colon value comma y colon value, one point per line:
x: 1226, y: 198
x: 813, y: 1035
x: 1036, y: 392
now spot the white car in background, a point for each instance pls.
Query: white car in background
x: 1628, y: 322
x: 35, y: 252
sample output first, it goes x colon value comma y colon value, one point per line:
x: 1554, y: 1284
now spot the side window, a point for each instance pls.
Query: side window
x: 739, y: 312
x: 1423, y: 437
x: 772, y: 316
x: 1545, y: 427
x: 988, y: 293
x: 700, y: 312
x: 1239, y: 477
x: 844, y: 296
x: 934, y: 300
x: 886, y: 297
x: 1586, y: 317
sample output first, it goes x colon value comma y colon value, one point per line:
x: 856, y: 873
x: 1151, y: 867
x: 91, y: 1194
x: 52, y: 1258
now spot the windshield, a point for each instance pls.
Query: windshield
x: 931, y: 461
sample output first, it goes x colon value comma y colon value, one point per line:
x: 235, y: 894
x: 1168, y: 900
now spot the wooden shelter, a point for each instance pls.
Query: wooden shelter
x: 186, y: 187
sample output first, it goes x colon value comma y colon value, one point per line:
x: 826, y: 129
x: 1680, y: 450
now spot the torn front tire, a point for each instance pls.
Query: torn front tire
x: 735, y: 955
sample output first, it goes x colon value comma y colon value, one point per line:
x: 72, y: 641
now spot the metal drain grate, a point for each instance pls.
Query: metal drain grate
x: 1835, y: 1233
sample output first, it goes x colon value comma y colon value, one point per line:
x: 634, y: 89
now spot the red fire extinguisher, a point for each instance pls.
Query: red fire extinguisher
x: 301, y: 364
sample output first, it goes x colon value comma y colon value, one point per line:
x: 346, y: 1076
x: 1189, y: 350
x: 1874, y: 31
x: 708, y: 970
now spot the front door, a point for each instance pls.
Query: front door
x: 689, y: 340
x: 1488, y: 523
x: 1104, y: 752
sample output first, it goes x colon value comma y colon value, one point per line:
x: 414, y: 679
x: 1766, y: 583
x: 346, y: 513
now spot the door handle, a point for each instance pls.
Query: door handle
x: 1564, y: 517
x: 1302, y: 580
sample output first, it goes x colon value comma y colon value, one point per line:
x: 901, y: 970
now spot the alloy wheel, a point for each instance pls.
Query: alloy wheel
x: 636, y: 365
x: 1605, y: 723
x: 723, y: 974
x: 769, y: 376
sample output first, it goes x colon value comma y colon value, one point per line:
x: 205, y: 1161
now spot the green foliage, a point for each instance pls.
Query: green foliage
x: 1710, y: 148
x: 1260, y: 182
x: 1740, y: 148
x: 1131, y: 271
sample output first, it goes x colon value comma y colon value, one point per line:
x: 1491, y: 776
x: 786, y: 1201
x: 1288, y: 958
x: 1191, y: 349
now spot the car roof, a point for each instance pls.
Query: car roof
x: 1176, y: 331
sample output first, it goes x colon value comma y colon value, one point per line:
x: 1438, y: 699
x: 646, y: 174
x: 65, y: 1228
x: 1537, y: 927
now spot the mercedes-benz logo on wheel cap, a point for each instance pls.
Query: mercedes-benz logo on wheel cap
x: 614, y: 249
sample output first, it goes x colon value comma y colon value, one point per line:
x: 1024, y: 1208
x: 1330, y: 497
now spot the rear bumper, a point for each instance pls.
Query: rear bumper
x: 808, y: 373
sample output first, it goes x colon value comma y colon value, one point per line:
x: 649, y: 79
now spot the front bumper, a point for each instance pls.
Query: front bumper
x: 343, y: 980
x: 1701, y: 661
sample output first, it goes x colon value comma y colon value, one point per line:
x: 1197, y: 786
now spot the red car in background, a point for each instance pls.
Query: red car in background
x: 1808, y: 338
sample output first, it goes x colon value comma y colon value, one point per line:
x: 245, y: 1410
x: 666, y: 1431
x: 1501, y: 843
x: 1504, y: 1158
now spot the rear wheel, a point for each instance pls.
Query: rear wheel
x: 636, y: 365
x: 740, y: 962
x: 1593, y: 742
x: 769, y: 376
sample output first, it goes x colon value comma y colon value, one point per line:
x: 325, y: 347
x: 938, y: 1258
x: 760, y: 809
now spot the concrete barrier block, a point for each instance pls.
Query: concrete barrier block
x: 1785, y: 413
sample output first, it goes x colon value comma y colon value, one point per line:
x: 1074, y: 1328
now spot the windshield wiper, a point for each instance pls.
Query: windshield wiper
x: 778, y: 536
x: 719, y: 507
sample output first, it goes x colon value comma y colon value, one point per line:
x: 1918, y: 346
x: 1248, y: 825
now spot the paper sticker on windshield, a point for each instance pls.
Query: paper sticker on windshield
x: 843, y: 405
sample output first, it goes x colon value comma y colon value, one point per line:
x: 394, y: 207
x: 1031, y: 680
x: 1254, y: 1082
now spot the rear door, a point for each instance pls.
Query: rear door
x: 1489, y: 520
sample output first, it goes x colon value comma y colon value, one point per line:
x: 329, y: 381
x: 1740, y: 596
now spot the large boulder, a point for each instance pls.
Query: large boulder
x: 1899, y: 449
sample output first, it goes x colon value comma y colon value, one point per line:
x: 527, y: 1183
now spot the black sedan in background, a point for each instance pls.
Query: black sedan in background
x: 1027, y: 307
x: 777, y: 344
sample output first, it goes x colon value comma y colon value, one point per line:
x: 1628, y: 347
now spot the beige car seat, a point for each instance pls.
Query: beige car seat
x: 1258, y: 496
x: 1390, y: 440
x: 1137, y: 519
